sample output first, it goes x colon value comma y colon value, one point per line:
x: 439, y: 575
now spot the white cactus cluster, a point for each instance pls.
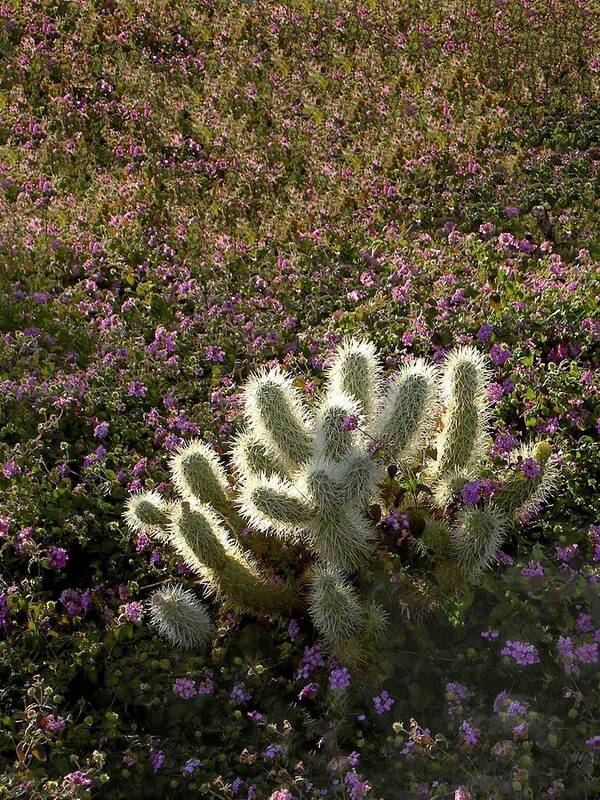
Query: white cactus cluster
x: 307, y: 476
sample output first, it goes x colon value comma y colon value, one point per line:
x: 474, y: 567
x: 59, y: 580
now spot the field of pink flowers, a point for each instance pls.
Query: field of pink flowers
x: 191, y: 189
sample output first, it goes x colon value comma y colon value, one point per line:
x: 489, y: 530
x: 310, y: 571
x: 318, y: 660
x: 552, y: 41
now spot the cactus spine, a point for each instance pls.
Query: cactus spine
x: 275, y: 412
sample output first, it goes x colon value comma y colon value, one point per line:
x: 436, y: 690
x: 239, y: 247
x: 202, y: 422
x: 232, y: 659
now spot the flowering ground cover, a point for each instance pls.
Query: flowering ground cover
x: 190, y: 190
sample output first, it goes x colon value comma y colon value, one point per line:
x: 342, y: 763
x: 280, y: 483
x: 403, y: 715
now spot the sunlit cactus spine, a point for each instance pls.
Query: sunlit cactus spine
x: 335, y: 423
x: 251, y: 458
x: 273, y: 504
x: 226, y: 570
x: 330, y: 484
x: 334, y: 607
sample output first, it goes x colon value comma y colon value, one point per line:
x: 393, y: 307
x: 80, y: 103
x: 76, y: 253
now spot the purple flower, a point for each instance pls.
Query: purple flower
x: 308, y: 691
x: 533, y: 570
x: 383, y: 702
x: 52, y: 723
x: 594, y: 534
x: 593, y: 743
x: 504, y: 559
x: 583, y: 623
x: 339, y: 679
x: 293, y: 629
x: 157, y: 759
x: 190, y: 765
x: 566, y: 652
x: 500, y: 701
x: 470, y: 733
x: 133, y: 612
x: 470, y: 493
x: 77, y: 778
x: 566, y: 553
x: 504, y: 443
x: 272, y: 751
x: 530, y: 468
x: 137, y: 389
x: 185, y: 687
x: 311, y: 660
x: 499, y: 355
x: 75, y: 601
x: 214, y: 354
x: 139, y: 467
x: 280, y: 794
x: 523, y: 653
x: 462, y: 793
x: 484, y: 333
x: 57, y: 557
x: 101, y: 430
x: 349, y: 423
x: 10, y: 469
x: 587, y: 653
x: 239, y: 693
x: 516, y: 709
x: 490, y: 634
x: 520, y: 731
x: 207, y: 686
x: 358, y: 788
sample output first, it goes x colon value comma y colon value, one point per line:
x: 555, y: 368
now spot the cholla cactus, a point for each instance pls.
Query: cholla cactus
x: 315, y: 480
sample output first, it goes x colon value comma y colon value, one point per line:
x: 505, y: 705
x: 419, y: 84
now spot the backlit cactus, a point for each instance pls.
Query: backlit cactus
x: 315, y: 480
x: 464, y: 393
x: 477, y: 539
x: 179, y: 617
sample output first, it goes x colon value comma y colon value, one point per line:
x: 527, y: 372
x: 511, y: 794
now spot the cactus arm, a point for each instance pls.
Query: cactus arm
x: 277, y: 417
x: 464, y: 390
x: 274, y: 504
x: 332, y: 440
x: 521, y: 495
x: 334, y: 606
x: 251, y: 458
x: 179, y: 617
x: 341, y: 537
x: 477, y: 539
x: 356, y: 372
x: 148, y: 511
x: 205, y: 546
x: 405, y: 415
